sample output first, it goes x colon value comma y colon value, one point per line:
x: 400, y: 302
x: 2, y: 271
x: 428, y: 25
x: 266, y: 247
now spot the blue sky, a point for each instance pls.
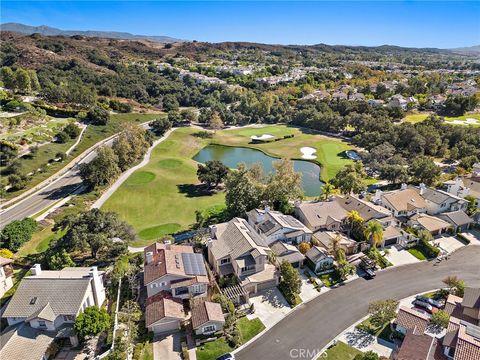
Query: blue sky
x: 403, y: 23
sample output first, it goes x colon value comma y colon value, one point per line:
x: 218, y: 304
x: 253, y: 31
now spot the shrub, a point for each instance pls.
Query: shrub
x: 440, y: 318
x: 16, y: 233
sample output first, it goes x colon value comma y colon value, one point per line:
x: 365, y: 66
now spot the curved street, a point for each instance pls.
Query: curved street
x: 313, y: 325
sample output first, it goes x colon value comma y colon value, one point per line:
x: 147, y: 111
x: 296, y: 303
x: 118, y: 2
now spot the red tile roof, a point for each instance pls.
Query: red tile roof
x: 206, y: 311
x: 162, y: 305
x: 412, y: 320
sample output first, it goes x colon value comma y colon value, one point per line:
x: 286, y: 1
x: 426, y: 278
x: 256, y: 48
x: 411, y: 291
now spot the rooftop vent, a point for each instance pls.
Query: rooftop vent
x: 33, y: 300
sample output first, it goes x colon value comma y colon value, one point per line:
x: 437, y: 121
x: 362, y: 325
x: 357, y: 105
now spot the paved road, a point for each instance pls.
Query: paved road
x: 316, y: 323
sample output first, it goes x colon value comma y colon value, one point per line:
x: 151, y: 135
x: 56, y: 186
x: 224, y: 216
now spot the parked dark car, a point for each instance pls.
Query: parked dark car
x: 425, y: 305
x: 368, y: 265
x: 226, y: 356
x: 431, y: 301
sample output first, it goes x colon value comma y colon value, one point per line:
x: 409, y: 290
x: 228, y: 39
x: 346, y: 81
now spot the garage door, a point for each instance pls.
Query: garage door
x: 391, y: 241
x: 266, y: 285
x: 166, y: 327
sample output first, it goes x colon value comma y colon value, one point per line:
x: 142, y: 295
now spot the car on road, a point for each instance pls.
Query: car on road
x: 431, y: 301
x: 425, y: 306
x: 226, y: 356
x: 368, y: 266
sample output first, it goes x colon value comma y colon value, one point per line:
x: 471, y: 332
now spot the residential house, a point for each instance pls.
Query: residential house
x: 318, y: 259
x: 459, y: 220
x: 316, y: 95
x: 175, y: 269
x: 356, y: 97
x: 287, y: 252
x: 236, y: 249
x: 321, y: 215
x: 404, y: 202
x: 326, y: 238
x: 436, y: 102
x: 462, y: 339
x: 163, y: 313
x: 207, y: 318
x: 439, y: 201
x: 367, y: 210
x: 410, y: 320
x: 398, y: 101
x: 375, y: 103
x: 6, y: 273
x: 466, y: 185
x: 45, y: 306
x: 339, y: 95
x: 417, y: 346
x: 434, y: 225
x: 273, y: 226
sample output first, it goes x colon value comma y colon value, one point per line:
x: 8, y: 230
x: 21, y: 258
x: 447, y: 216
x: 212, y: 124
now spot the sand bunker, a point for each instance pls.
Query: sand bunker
x: 308, y: 152
x: 468, y: 121
x: 262, y: 137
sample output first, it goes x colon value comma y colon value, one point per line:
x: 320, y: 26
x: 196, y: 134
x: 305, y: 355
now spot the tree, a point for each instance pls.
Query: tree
x: 354, y: 220
x: 174, y: 117
x: 374, y: 232
x: 243, y: 190
x: 290, y: 282
x: 351, y: 179
x: 8, y: 78
x: 369, y: 355
x: 58, y: 260
x: 456, y: 286
x: 17, y: 182
x: 170, y: 102
x: 328, y: 190
x: 424, y: 170
x: 22, y: 81
x: 304, y: 247
x: 215, y: 122
x: 161, y: 126
x: 212, y: 173
x: 62, y: 137
x: 382, y: 311
x: 130, y: 146
x: 94, y: 230
x: 16, y: 233
x: 91, y: 322
x: 102, y: 170
x: 72, y: 130
x: 284, y: 185
x: 8, y: 152
x: 98, y: 116
x: 440, y: 318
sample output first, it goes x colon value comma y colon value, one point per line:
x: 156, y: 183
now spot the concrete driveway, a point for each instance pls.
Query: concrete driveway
x: 398, y: 256
x: 270, y: 306
x: 473, y: 236
x: 167, y: 347
x: 308, y: 291
x: 449, y: 243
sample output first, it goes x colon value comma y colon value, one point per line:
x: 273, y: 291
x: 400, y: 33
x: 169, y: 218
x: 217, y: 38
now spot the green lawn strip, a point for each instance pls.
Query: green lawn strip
x: 463, y: 117
x: 340, y: 351
x: 213, y: 349
x: 330, y: 279
x: 249, y: 328
x: 383, y: 332
x: 417, y: 253
x: 416, y: 118
x: 39, y: 242
x: 164, y: 194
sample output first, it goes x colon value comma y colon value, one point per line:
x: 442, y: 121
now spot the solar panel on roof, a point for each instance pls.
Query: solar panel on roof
x: 193, y: 264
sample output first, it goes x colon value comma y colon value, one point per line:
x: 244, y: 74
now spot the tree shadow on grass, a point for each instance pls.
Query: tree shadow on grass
x: 195, y: 190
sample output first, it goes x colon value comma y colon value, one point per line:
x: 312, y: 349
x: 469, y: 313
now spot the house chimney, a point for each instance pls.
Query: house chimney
x: 267, y: 208
x: 149, y: 257
x: 422, y: 188
x: 213, y: 231
x: 97, y: 286
x: 403, y: 186
x: 36, y: 269
x: 377, y: 199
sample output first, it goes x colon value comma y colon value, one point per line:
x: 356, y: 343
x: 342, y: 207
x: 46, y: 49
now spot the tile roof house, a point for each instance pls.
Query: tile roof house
x: 466, y: 185
x: 287, y: 252
x: 207, y: 317
x: 6, y: 273
x: 175, y: 269
x: 44, y: 307
x: 410, y: 320
x: 325, y: 239
x: 163, y: 313
x: 459, y: 220
x: 235, y: 248
x: 403, y: 202
x: 273, y: 226
x: 318, y: 259
x: 434, y: 225
x: 439, y: 201
x: 419, y: 347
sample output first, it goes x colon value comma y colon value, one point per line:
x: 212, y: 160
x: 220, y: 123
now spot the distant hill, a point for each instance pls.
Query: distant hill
x: 471, y: 50
x: 50, y: 31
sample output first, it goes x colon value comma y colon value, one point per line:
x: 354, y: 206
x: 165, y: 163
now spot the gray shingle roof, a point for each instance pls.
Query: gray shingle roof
x: 471, y: 297
x: 316, y: 254
x: 23, y: 342
x: 65, y: 296
x: 457, y: 218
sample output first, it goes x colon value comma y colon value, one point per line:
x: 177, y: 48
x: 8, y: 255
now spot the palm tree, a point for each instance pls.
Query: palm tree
x: 272, y: 257
x: 336, y: 243
x: 374, y: 232
x: 328, y: 190
x: 353, y: 218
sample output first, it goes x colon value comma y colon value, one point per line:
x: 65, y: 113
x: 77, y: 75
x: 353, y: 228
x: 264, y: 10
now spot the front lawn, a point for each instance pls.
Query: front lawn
x: 417, y: 253
x: 340, y: 351
x: 383, y: 332
x: 330, y: 279
x: 249, y: 328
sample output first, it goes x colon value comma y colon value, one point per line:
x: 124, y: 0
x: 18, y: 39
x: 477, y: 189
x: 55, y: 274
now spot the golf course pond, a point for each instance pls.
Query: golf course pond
x: 232, y: 156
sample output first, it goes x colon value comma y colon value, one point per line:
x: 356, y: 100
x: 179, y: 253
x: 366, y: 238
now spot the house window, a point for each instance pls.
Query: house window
x: 68, y: 318
x: 42, y: 324
x: 209, y: 329
x: 248, y: 268
x: 225, y: 261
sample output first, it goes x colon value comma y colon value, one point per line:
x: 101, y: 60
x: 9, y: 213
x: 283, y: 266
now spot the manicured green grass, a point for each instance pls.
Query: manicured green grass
x: 331, y: 279
x: 162, y: 197
x: 418, y: 252
x: 340, y: 351
x: 249, y: 328
x: 39, y: 242
x: 213, y: 349
x: 383, y: 332
x: 416, y: 118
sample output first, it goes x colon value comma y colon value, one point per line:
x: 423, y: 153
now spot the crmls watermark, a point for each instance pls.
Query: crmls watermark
x: 304, y: 353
